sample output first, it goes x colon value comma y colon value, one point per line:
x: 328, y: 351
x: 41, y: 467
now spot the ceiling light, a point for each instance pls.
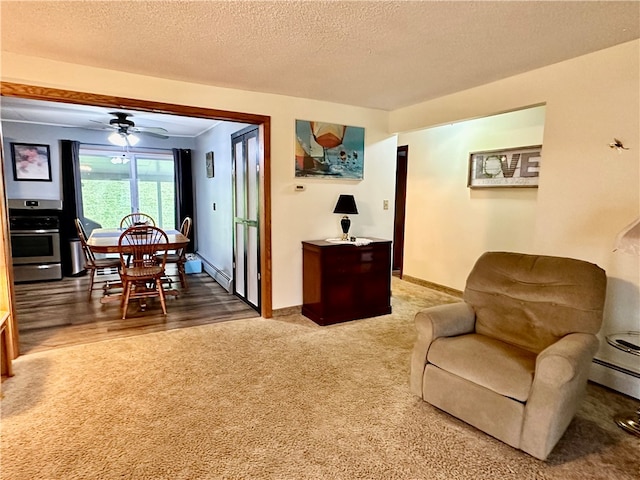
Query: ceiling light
x: 122, y: 159
x: 121, y: 139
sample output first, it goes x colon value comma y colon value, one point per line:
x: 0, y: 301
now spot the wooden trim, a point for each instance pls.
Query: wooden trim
x: 6, y: 344
x: 7, y: 300
x: 35, y: 92
x: 433, y: 286
x: 265, y: 217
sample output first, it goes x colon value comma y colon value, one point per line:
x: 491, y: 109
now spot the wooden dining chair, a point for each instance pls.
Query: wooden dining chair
x: 142, y: 274
x: 95, y: 265
x: 137, y: 218
x: 179, y: 256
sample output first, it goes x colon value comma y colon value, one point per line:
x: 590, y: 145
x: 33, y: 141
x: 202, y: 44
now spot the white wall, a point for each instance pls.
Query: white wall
x: 295, y: 216
x: 214, y: 232
x: 448, y: 225
x: 588, y: 192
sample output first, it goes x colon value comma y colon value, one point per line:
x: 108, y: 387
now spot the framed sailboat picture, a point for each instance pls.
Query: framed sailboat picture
x: 329, y: 150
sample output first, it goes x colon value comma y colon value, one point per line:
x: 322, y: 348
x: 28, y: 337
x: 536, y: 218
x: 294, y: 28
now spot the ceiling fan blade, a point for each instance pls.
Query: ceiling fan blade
x: 159, y: 130
x: 152, y: 134
x: 105, y: 125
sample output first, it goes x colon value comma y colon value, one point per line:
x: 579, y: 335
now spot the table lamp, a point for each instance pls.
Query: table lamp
x: 346, y: 205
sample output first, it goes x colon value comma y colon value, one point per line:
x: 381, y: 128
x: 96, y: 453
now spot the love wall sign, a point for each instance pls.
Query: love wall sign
x: 512, y: 167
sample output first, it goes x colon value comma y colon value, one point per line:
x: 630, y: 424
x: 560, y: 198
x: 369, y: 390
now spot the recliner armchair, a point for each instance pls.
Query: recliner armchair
x: 513, y: 358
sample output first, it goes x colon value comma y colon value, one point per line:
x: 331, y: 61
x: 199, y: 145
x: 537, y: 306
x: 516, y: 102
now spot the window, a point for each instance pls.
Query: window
x: 116, y: 183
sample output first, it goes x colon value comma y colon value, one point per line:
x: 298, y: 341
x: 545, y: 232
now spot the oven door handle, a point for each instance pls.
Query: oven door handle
x: 31, y: 232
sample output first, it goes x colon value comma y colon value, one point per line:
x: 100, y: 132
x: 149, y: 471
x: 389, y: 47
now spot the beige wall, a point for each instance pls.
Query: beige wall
x: 448, y: 226
x: 296, y: 216
x: 588, y: 192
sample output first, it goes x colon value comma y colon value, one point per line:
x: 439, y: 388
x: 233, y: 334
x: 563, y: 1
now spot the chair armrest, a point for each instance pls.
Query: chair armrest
x: 558, y: 385
x: 560, y: 362
x: 441, y: 321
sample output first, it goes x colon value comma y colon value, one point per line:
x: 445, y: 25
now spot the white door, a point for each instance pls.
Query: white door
x: 246, y: 215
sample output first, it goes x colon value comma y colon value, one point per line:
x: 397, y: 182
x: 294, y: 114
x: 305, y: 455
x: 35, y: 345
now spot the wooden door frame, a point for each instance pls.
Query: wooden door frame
x: 33, y: 92
x: 399, y: 217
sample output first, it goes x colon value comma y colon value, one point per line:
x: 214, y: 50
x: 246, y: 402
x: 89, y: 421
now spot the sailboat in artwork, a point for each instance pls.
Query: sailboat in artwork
x: 304, y: 159
x: 327, y: 135
x: 320, y: 150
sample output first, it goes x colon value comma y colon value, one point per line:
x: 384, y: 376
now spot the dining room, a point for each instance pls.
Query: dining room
x: 113, y: 181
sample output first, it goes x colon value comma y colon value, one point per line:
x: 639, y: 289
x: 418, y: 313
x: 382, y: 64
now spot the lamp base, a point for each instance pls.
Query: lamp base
x: 345, y: 223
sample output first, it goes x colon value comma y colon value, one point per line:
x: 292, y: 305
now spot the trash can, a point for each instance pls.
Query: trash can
x: 77, y: 257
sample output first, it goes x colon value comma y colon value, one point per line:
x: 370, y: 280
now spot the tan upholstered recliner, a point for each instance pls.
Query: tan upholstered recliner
x: 514, y: 357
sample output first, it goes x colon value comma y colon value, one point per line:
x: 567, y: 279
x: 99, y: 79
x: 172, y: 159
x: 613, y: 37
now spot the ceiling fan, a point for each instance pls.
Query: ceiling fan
x: 125, y: 130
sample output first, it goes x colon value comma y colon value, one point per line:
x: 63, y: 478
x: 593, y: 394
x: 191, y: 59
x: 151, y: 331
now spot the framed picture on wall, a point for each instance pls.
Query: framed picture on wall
x: 511, y: 167
x: 209, y: 162
x: 31, y: 162
x: 329, y: 150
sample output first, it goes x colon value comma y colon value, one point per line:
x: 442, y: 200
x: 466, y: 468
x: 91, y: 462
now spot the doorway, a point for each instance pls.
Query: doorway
x: 262, y: 122
x: 402, y: 158
x: 246, y: 215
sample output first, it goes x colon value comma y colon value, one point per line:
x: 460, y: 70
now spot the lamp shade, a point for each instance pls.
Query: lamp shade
x: 628, y: 240
x: 346, y: 204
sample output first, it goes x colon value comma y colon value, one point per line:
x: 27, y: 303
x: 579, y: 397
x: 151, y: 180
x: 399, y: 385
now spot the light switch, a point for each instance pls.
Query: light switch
x: 385, y: 204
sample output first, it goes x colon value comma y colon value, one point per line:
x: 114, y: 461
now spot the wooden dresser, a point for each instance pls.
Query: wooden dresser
x: 345, y: 282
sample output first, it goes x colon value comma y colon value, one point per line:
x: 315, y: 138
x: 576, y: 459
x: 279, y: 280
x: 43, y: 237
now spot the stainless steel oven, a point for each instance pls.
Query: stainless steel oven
x: 35, y: 244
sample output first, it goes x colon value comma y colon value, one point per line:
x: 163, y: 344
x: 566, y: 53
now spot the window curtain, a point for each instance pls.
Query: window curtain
x: 184, y: 191
x: 71, y: 199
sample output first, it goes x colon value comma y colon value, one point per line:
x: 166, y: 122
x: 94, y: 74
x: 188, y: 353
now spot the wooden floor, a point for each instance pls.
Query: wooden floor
x: 57, y: 314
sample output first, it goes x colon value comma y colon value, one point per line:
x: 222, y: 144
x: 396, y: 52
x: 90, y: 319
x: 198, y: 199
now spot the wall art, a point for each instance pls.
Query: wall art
x: 329, y: 150
x: 31, y: 162
x: 209, y: 165
x: 511, y: 167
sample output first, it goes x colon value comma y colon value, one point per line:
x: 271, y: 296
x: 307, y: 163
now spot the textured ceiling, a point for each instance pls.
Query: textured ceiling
x: 378, y: 54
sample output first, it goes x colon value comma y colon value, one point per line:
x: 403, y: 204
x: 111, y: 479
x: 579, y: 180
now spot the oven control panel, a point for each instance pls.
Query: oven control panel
x: 39, y: 222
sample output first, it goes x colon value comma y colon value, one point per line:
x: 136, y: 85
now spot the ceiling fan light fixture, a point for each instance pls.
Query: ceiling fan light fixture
x: 120, y: 139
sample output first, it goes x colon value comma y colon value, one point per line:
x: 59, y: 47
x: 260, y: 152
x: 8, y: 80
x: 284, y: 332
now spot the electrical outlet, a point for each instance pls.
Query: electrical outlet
x: 385, y: 204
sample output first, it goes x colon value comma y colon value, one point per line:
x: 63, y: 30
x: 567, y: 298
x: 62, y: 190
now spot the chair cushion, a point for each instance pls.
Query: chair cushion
x: 500, y: 367
x: 534, y: 300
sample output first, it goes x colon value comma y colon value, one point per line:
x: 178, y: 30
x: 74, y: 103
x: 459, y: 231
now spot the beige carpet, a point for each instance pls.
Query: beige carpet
x: 271, y: 399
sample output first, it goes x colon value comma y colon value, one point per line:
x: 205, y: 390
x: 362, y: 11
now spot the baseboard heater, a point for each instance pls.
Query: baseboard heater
x: 218, y: 275
x: 617, y: 368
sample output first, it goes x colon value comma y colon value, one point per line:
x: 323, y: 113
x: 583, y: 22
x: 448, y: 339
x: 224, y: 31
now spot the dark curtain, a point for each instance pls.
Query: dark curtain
x: 184, y: 191
x: 71, y: 199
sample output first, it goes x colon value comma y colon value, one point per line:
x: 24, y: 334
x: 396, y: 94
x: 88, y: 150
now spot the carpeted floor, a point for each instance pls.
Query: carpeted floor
x: 272, y: 399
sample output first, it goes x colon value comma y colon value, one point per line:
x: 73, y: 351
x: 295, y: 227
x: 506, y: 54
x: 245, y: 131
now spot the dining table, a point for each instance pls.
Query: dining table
x: 106, y: 240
